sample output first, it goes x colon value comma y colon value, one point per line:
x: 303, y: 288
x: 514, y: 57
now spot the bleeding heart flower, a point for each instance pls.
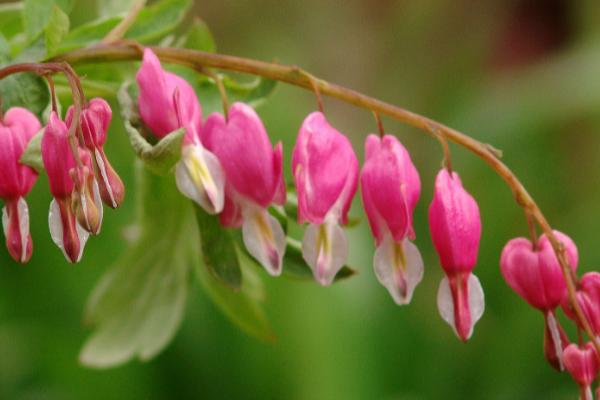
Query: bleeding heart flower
x: 17, y: 127
x: 66, y: 232
x: 390, y: 188
x: 588, y: 297
x: 455, y: 227
x: 155, y: 101
x: 94, y: 120
x: 535, y: 275
x: 325, y: 172
x: 254, y: 180
x: 583, y: 365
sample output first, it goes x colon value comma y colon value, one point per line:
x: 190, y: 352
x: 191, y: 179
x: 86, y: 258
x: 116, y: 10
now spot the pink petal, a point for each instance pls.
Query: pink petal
x: 57, y: 157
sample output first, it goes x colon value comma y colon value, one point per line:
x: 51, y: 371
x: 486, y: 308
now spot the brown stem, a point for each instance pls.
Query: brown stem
x: 379, y: 124
x: 221, y: 87
x: 298, y: 77
x: 52, y: 92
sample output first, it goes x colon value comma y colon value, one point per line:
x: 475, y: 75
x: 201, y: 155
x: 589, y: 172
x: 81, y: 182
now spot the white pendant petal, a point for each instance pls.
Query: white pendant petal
x: 104, y: 176
x: 399, y: 267
x: 556, y: 339
x: 99, y: 205
x: 325, y: 250
x: 200, y: 177
x: 23, y: 214
x: 446, y: 303
x: 264, y: 238
x: 57, y: 231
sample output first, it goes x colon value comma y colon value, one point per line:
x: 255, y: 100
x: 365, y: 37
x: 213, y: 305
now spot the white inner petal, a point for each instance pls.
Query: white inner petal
x: 264, y: 238
x: 5, y: 221
x: 104, y: 176
x: 325, y: 250
x: 555, y: 333
x: 98, y: 201
x: 200, y: 177
x: 399, y: 268
x: 476, y: 302
x: 23, y: 214
x: 56, y: 228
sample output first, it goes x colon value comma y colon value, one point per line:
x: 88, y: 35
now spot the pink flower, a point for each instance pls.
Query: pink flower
x: 254, y: 180
x: 535, y: 274
x: 583, y: 365
x: 17, y: 127
x: 455, y: 227
x: 588, y: 297
x: 60, y: 166
x: 167, y: 103
x: 95, y: 119
x: 325, y: 171
x: 155, y: 101
x: 390, y: 188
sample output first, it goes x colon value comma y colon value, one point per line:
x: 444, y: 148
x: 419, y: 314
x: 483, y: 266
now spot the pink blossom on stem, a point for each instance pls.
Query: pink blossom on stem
x: 58, y: 160
x: 325, y: 171
x: 17, y: 127
x: 535, y: 274
x: 588, y: 297
x: 583, y: 365
x: 390, y: 188
x: 455, y: 227
x: 254, y: 180
x: 95, y: 119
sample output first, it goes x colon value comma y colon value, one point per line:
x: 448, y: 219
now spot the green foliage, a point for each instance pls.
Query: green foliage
x: 25, y: 90
x: 198, y: 37
x: 32, y: 155
x: 139, y: 303
x: 218, y: 250
x: 57, y: 28
x: 10, y: 19
x: 153, y: 23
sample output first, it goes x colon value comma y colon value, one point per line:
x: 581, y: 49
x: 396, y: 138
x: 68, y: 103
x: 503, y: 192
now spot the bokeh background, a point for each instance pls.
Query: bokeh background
x: 522, y: 75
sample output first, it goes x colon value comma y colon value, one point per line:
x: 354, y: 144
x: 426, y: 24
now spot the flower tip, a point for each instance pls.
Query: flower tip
x: 461, y: 303
x: 15, y: 222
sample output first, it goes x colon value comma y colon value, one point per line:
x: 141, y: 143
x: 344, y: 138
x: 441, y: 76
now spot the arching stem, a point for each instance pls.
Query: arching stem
x: 298, y: 77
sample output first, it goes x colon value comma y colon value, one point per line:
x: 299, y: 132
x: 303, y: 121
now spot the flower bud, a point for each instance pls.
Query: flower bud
x: 455, y: 227
x: 390, y: 188
x: 254, y: 180
x: 325, y: 171
x: 95, y: 119
x: 58, y: 160
x: 583, y: 365
x: 85, y: 200
x: 588, y: 297
x: 17, y: 127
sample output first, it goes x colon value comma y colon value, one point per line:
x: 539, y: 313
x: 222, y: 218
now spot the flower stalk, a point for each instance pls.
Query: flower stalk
x: 298, y: 77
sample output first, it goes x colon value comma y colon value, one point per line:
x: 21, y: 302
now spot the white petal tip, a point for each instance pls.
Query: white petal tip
x: 476, y: 304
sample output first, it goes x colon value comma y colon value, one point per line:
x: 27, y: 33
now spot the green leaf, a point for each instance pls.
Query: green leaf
x: 4, y: 49
x: 32, y: 155
x: 295, y: 267
x: 25, y: 90
x: 218, y: 250
x: 242, y: 307
x: 153, y: 23
x: 37, y: 14
x: 198, y: 37
x: 158, y: 20
x: 110, y: 8
x: 56, y: 30
x: 161, y: 157
x: 139, y: 303
x: 10, y: 19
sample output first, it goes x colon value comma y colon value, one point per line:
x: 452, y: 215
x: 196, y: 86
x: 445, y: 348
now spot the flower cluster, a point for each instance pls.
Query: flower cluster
x: 229, y: 167
x: 533, y: 271
x: 79, y: 175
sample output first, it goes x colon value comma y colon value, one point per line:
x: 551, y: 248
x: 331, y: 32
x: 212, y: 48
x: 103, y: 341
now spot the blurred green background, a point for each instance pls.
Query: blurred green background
x: 522, y: 75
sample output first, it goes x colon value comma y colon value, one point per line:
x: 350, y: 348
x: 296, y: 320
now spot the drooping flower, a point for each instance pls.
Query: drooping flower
x: 534, y: 273
x: 325, y: 171
x: 588, y: 297
x: 17, y: 127
x: 60, y: 165
x: 156, y: 105
x: 167, y: 103
x: 583, y: 365
x: 254, y: 180
x: 455, y: 227
x: 95, y: 119
x: 390, y: 188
